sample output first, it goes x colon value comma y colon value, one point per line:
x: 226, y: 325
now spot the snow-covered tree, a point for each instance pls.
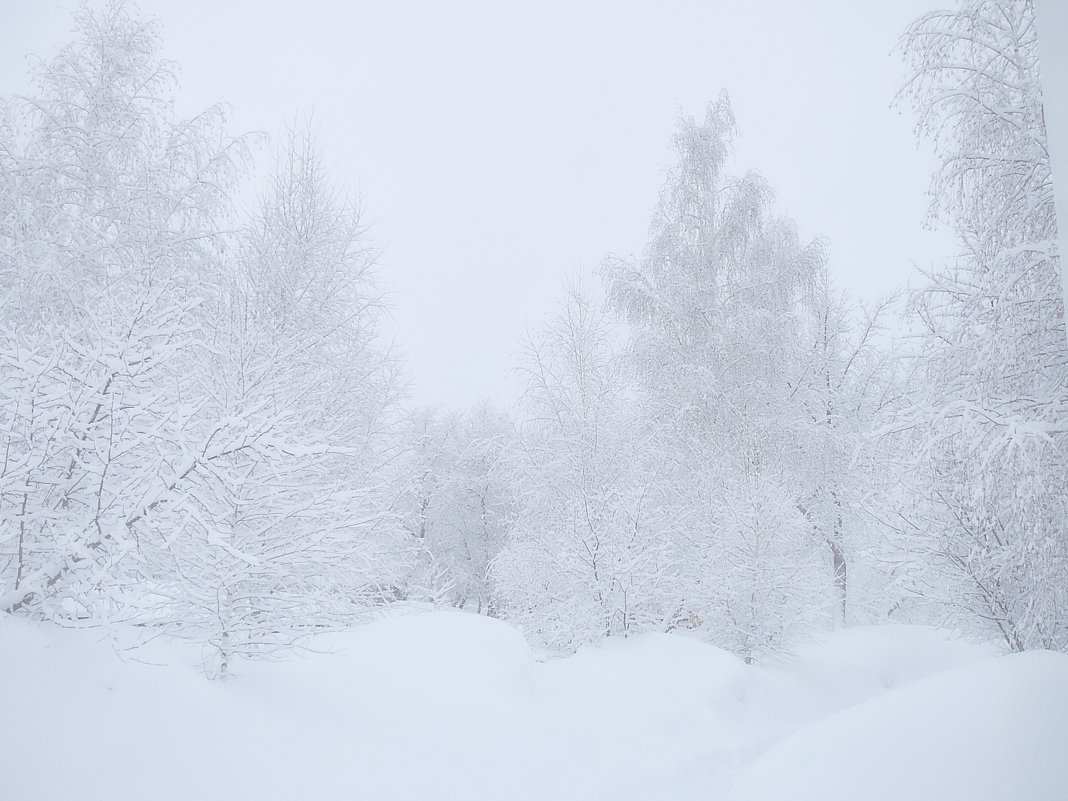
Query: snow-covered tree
x: 287, y: 527
x: 588, y: 554
x: 989, y: 419
x: 109, y: 214
x: 458, y: 506
x: 194, y: 425
x: 846, y: 389
x: 716, y: 305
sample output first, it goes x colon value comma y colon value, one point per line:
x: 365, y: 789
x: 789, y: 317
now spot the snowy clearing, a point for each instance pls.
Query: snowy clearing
x: 450, y: 705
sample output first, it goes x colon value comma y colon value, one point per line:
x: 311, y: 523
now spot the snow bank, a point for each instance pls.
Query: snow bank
x: 842, y: 668
x: 447, y: 705
x: 990, y: 731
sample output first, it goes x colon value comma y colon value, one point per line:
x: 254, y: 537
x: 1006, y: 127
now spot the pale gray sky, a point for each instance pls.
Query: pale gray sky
x: 499, y: 146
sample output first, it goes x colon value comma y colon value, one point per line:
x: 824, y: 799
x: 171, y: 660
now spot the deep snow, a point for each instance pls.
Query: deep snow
x: 446, y: 705
x: 989, y: 731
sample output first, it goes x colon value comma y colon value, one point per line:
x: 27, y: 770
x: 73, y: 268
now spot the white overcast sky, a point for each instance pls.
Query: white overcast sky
x: 498, y: 147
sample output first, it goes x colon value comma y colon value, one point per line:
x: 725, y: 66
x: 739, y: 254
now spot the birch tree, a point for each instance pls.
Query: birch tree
x: 847, y: 388
x: 458, y: 505
x: 716, y: 308
x: 288, y: 527
x: 110, y: 215
x: 588, y: 555
x: 990, y: 420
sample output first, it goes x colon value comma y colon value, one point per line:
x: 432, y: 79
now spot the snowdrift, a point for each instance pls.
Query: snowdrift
x: 446, y: 705
x: 986, y: 732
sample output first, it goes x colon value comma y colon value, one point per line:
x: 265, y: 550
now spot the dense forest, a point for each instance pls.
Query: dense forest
x: 204, y: 432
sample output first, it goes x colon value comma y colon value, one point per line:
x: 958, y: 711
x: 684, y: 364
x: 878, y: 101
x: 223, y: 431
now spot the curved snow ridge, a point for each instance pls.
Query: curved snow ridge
x: 445, y: 704
x: 988, y: 731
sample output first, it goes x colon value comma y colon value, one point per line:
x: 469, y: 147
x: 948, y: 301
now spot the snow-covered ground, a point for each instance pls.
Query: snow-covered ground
x: 445, y: 705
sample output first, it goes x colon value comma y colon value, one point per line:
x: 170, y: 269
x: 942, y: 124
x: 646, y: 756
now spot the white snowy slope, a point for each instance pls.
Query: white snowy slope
x: 990, y: 731
x: 446, y: 705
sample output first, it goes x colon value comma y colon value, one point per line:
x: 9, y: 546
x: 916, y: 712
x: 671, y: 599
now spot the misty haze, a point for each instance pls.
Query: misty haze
x: 573, y: 401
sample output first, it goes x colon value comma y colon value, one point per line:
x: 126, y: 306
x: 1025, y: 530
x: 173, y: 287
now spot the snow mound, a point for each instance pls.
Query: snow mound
x: 839, y: 669
x: 448, y: 705
x: 989, y: 731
